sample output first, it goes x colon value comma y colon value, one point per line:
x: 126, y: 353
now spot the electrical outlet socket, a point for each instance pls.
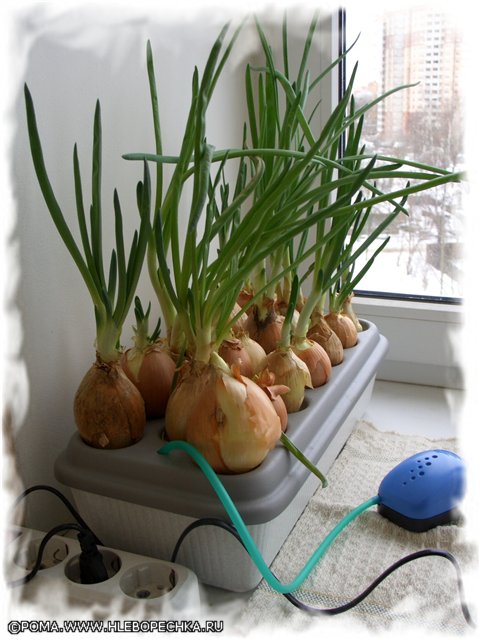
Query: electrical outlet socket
x: 134, y: 582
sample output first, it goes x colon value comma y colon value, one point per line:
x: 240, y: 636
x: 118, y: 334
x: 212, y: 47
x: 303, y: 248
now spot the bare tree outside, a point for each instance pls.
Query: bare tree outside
x: 421, y: 46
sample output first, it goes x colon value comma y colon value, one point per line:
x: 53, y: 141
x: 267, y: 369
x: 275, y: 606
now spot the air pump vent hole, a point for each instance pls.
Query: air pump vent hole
x: 435, y: 456
x: 427, y: 458
x: 420, y: 466
x: 413, y: 477
x: 422, y: 473
x: 428, y: 464
x: 404, y: 483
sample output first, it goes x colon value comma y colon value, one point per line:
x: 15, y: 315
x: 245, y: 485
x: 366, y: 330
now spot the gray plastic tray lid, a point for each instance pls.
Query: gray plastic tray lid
x: 138, y: 474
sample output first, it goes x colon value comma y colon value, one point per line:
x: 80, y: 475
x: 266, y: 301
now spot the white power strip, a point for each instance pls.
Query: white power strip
x: 134, y: 581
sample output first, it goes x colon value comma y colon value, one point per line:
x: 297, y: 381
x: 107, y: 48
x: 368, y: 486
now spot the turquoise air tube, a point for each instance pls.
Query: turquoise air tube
x: 244, y: 533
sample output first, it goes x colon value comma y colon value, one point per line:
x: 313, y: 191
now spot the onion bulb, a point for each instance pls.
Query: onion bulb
x: 266, y: 332
x: 256, y: 352
x: 289, y: 370
x: 282, y: 308
x: 266, y: 381
x: 344, y: 328
x: 316, y: 359
x: 244, y: 297
x: 245, y: 353
x: 348, y: 310
x: 151, y: 370
x: 321, y: 332
x: 109, y: 410
x: 239, y: 326
x: 234, y: 353
x: 295, y: 317
x: 225, y: 415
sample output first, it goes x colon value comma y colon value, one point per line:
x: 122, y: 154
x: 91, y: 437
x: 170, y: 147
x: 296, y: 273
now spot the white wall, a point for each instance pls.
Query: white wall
x: 73, y: 58
x: 69, y: 58
x: 424, y: 341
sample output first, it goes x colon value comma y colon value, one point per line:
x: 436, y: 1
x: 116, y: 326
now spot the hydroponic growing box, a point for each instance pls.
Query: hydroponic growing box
x: 139, y: 501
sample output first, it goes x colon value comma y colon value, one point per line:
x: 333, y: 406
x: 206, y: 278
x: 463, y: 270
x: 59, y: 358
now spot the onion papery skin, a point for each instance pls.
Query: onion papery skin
x: 275, y: 395
x: 256, y: 353
x: 281, y: 310
x: 322, y: 333
x: 239, y: 326
x: 152, y: 372
x: 295, y: 317
x: 266, y: 332
x: 243, y: 298
x: 344, y: 328
x: 281, y: 307
x: 235, y: 354
x: 317, y: 361
x: 226, y: 416
x: 349, y: 311
x: 275, y: 391
x: 291, y: 371
x: 109, y: 410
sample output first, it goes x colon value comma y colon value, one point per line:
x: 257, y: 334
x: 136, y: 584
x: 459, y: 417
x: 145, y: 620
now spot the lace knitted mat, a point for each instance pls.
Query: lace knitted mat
x: 421, y: 595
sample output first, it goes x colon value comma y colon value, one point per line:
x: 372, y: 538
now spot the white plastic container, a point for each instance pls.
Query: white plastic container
x: 139, y: 501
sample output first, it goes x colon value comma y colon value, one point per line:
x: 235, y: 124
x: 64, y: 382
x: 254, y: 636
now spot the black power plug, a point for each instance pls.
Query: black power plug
x: 91, y: 565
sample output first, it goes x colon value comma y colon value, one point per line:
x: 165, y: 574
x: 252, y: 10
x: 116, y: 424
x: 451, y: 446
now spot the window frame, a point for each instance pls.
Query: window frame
x: 422, y: 330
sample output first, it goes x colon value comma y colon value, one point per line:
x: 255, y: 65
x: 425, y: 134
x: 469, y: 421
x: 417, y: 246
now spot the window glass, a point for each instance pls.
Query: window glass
x: 419, y: 45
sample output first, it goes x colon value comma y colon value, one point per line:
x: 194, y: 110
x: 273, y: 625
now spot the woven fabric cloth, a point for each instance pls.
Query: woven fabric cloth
x: 421, y: 594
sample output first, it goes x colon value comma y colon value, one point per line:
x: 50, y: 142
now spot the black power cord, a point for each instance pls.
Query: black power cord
x: 91, y: 566
x: 230, y: 528
x: 92, y: 569
x: 66, y: 502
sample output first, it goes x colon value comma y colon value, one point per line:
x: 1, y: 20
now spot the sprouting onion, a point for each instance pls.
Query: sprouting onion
x: 204, y: 291
x: 166, y: 209
x: 286, y: 366
x: 149, y: 364
x: 109, y: 410
x: 288, y: 181
x: 334, y: 260
x: 288, y: 132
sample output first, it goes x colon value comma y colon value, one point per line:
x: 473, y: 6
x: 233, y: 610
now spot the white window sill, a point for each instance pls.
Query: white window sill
x: 410, y: 310
x: 422, y: 338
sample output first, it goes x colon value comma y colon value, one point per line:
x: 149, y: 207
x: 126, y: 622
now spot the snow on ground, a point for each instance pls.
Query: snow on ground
x: 392, y: 272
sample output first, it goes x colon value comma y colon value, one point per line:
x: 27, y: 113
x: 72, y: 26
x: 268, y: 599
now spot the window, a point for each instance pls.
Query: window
x: 424, y: 256
x: 409, y: 307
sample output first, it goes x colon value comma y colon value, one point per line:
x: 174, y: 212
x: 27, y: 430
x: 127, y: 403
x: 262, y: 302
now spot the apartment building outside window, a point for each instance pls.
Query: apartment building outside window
x: 421, y: 46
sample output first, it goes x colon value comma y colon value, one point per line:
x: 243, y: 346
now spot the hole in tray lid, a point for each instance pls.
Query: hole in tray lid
x: 305, y: 404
